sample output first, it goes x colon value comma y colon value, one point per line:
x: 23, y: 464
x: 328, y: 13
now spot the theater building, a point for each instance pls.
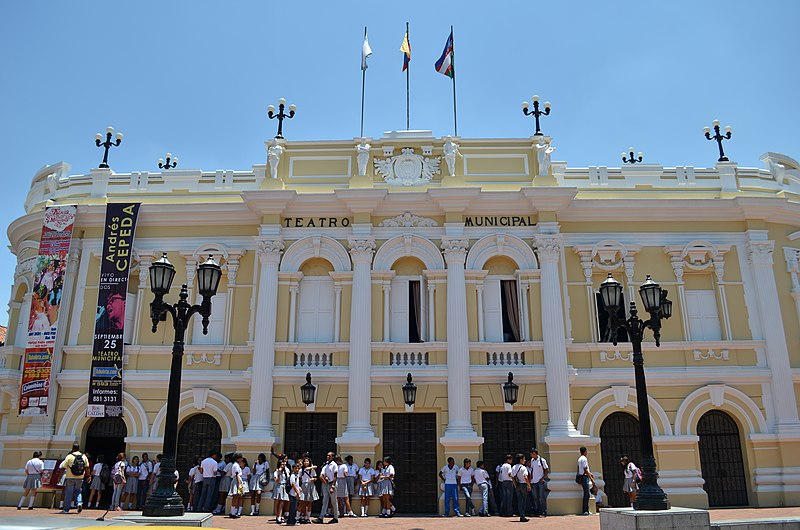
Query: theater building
x: 360, y: 263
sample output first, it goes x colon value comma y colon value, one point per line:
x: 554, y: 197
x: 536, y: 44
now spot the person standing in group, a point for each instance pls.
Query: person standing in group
x: 194, y: 477
x: 294, y: 493
x: 386, y: 487
x: 343, y: 488
x: 539, y: 473
x: 74, y: 466
x: 484, y: 483
x: 208, y: 469
x: 328, y: 476
x: 100, y: 477
x: 630, y: 487
x: 238, y: 487
x: 522, y: 481
x: 352, y: 478
x: 224, y: 484
x: 308, y: 489
x: 154, y: 474
x: 33, y: 479
x: 449, y: 475
x: 465, y: 481
x: 118, y: 478
x: 366, y: 485
x: 260, y: 473
x: 131, y: 483
x: 582, y: 478
x: 506, y: 487
x: 145, y: 468
x: 280, y: 492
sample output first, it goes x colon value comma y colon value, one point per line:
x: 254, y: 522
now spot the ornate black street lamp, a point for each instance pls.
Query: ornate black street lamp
x: 169, y: 164
x: 281, y: 115
x: 307, y: 390
x: 510, y: 390
x: 718, y: 137
x: 165, y: 501
x: 650, y: 496
x: 536, y: 112
x: 630, y: 159
x: 107, y: 144
x: 409, y: 392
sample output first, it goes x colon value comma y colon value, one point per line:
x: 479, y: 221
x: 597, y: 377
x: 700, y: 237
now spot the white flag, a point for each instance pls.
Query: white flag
x: 366, y: 51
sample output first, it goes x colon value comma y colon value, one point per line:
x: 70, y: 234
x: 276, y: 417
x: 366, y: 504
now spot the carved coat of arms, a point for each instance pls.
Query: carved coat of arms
x: 407, y: 169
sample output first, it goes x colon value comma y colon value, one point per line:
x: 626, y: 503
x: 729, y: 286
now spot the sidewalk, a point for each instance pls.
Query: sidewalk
x: 41, y: 518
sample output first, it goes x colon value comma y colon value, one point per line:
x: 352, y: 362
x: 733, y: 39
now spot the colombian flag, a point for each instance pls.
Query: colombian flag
x: 445, y: 63
x: 406, y: 49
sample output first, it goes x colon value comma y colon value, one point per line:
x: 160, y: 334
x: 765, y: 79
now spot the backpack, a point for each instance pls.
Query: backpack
x: 78, y: 466
x: 105, y: 474
x: 638, y: 476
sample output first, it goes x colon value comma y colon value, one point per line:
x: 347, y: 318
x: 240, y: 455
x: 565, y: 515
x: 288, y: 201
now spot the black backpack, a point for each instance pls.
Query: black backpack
x: 105, y: 474
x: 78, y: 466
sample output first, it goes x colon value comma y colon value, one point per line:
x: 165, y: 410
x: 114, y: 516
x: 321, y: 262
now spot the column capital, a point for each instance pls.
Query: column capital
x: 455, y: 250
x: 145, y: 260
x: 361, y: 249
x: 74, y: 255
x: 760, y: 252
x: 548, y: 247
x: 269, y: 250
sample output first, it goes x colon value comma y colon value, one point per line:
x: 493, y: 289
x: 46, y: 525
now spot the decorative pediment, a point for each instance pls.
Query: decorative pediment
x: 408, y: 219
x: 698, y: 255
x: 408, y: 168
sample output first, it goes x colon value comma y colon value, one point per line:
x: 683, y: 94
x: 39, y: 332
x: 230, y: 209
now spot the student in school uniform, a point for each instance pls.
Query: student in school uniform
x: 506, y: 487
x: 449, y: 475
x: 342, y: 489
x: 280, y: 492
x: 238, y: 487
x: 539, y: 471
x: 294, y: 494
x: 522, y: 480
x: 260, y: 469
x: 97, y: 486
x: 585, y: 475
x: 224, y: 484
x: 328, y: 476
x: 308, y: 489
x: 484, y: 483
x: 630, y: 487
x: 386, y: 487
x: 352, y: 478
x: 599, y: 497
x: 118, y: 478
x: 131, y: 482
x: 33, y: 479
x: 366, y: 485
x: 465, y: 481
x: 145, y: 468
x: 190, y: 481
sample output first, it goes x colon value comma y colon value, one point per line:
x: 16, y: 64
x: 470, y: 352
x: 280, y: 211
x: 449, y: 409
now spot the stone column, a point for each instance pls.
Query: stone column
x: 358, y: 437
x: 553, y: 331
x: 459, y: 432
x: 759, y: 253
x: 259, y: 428
x: 145, y: 260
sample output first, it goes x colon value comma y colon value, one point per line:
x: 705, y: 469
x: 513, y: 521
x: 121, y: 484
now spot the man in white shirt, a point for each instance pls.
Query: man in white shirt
x: 506, y: 487
x: 584, y: 474
x: 145, y: 468
x: 328, y: 476
x: 449, y: 474
x: 522, y: 480
x: 485, y: 487
x: 465, y: 480
x: 539, y: 472
x: 208, y: 468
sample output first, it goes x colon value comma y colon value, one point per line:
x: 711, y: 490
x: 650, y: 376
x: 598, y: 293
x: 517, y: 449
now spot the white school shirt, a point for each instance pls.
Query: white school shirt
x: 583, y: 465
x: 293, y: 481
x: 146, y: 469
x: 131, y: 469
x: 450, y: 474
x: 281, y: 477
x: 229, y: 469
x: 481, y: 476
x: 598, y: 497
x: 505, y: 472
x: 95, y: 470
x: 465, y: 476
x: 221, y: 467
x: 236, y: 469
x: 156, y: 468
x: 519, y: 472
x: 198, y: 474
x: 246, y: 473
x: 306, y: 475
x: 538, y: 467
x: 366, y: 474
x: 193, y: 473
x: 352, y: 470
x: 388, y: 471
x: 342, y: 472
x: 330, y: 470
x: 630, y: 469
x: 208, y: 466
x: 262, y: 468
x: 34, y: 466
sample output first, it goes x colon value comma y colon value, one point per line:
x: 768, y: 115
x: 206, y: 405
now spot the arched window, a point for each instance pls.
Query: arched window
x: 619, y: 436
x: 198, y: 435
x: 502, y: 312
x: 721, y: 460
x: 408, y: 301
x: 316, y: 300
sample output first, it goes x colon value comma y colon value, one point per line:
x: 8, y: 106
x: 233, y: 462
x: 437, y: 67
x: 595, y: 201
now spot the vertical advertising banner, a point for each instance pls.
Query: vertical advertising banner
x: 105, y: 379
x: 48, y: 285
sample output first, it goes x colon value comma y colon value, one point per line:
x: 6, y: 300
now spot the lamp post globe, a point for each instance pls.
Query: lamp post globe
x: 162, y: 272
x: 650, y: 292
x: 209, y: 274
x: 510, y: 390
x: 308, y: 390
x: 611, y: 293
x: 409, y: 392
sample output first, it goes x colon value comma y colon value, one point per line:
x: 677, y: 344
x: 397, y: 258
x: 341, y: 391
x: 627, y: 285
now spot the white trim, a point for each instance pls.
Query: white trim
x: 590, y: 425
x: 746, y: 410
x: 404, y: 245
x: 134, y: 416
x: 315, y: 247
x: 225, y: 410
x: 506, y: 245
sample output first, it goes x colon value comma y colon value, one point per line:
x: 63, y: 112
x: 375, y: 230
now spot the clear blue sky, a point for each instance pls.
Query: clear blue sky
x: 195, y: 77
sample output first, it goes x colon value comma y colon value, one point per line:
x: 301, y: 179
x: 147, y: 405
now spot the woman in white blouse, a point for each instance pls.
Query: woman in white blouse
x: 33, y: 479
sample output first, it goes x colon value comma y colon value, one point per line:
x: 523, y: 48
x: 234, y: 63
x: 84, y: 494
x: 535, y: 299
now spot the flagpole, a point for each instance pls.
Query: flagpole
x: 453, y: 66
x: 363, y: 83
x: 408, y: 86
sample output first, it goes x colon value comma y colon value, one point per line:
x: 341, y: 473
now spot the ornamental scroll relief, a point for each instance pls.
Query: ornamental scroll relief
x: 407, y: 169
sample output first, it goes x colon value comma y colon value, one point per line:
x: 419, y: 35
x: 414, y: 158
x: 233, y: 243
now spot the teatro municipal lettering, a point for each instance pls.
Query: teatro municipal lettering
x: 497, y: 220
x: 316, y: 222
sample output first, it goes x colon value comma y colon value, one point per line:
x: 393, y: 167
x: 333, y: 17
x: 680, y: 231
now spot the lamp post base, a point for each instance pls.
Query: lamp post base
x: 651, y: 498
x: 165, y: 501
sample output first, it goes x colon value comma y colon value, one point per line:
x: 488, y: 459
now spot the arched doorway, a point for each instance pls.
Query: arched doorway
x: 198, y: 435
x: 106, y: 437
x: 619, y: 435
x: 721, y: 460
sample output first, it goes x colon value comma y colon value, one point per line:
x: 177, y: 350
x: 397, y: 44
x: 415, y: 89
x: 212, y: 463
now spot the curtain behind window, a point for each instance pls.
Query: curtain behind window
x: 511, y: 303
x: 415, y: 312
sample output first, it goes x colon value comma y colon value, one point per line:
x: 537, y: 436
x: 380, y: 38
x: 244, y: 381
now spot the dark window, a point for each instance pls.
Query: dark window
x: 414, y: 311
x: 106, y: 436
x: 721, y: 460
x: 510, y: 308
x: 410, y: 440
x: 619, y: 436
x: 313, y: 433
x: 504, y: 433
x: 198, y: 435
x: 604, y: 324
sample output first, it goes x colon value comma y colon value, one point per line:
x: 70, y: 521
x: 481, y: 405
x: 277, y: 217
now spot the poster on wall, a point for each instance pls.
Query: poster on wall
x: 48, y: 286
x: 105, y: 378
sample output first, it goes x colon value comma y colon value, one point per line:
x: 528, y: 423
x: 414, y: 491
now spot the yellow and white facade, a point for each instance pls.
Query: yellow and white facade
x: 332, y: 268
